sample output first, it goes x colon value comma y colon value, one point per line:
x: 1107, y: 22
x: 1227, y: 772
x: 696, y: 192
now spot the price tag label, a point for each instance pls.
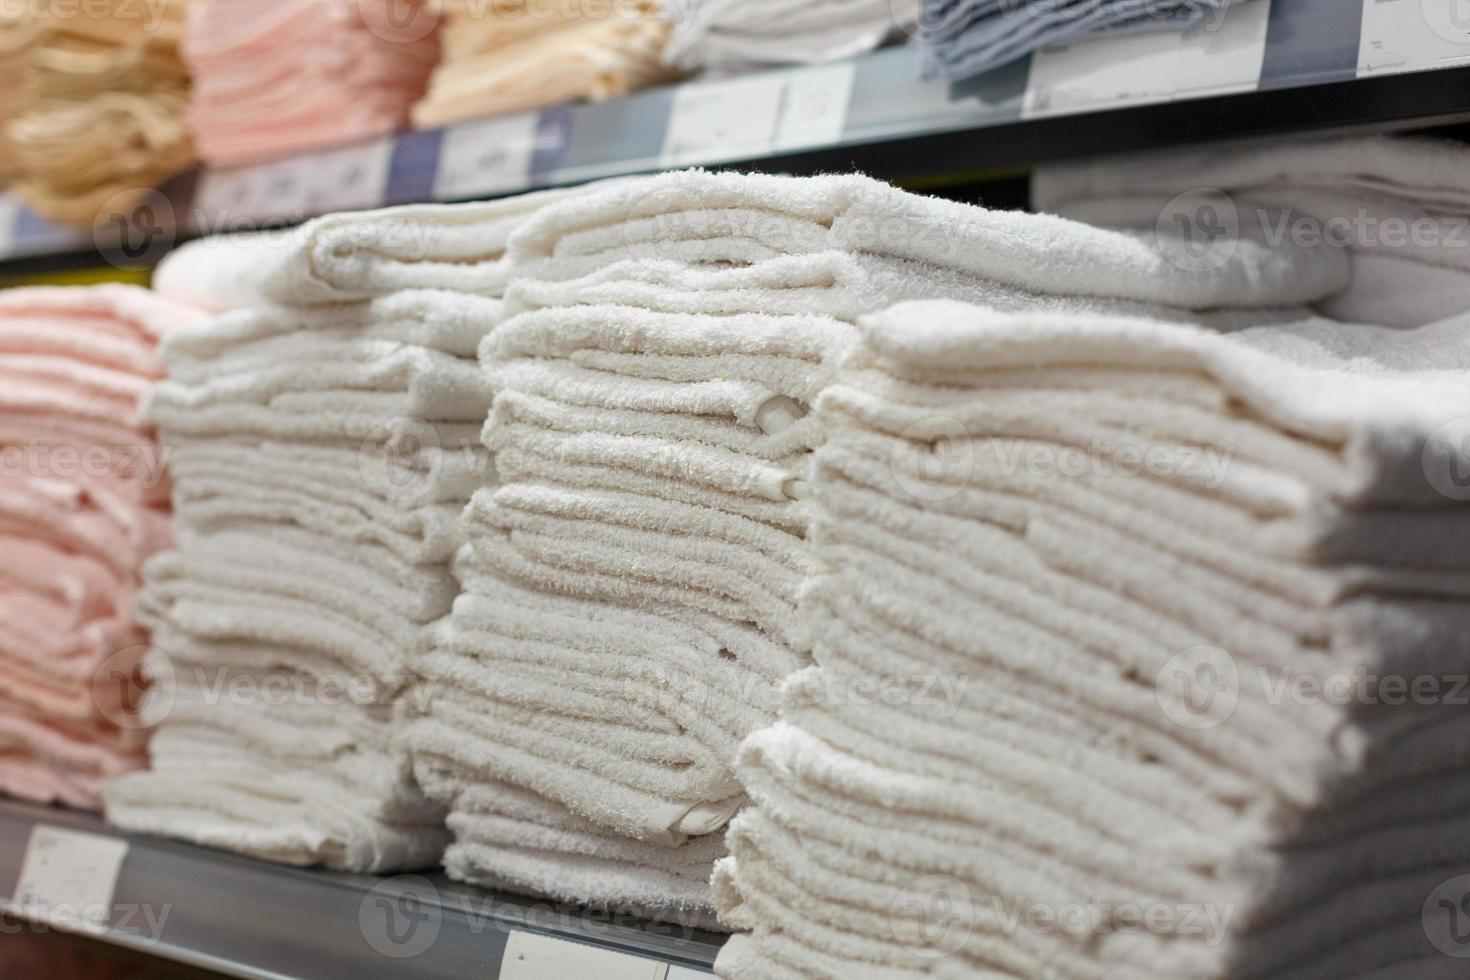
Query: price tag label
x: 9, y: 217
x: 1411, y: 35
x: 723, y: 120
x: 284, y: 188
x: 350, y: 179
x: 814, y: 106
x: 224, y: 198
x: 1221, y: 53
x: 68, y: 877
x: 487, y: 156
x: 1225, y: 52
x: 533, y: 957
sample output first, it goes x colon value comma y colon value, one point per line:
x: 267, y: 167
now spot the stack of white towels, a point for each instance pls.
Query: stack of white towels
x: 83, y: 502
x: 631, y: 584
x: 323, y: 431
x: 1137, y: 644
x: 1134, y: 740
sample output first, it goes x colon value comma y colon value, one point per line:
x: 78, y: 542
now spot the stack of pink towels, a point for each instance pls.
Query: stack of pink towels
x: 272, y: 77
x: 83, y: 500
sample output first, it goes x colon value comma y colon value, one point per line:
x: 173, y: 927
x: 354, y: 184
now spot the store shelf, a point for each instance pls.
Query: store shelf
x: 1268, y: 68
x: 247, y: 918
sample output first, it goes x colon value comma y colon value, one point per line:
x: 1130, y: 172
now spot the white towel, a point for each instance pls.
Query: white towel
x: 1401, y: 205
x: 694, y: 216
x: 539, y: 847
x: 435, y: 319
x: 731, y: 36
x: 354, y: 256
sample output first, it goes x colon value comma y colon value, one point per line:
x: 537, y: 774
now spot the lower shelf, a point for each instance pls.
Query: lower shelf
x: 248, y: 918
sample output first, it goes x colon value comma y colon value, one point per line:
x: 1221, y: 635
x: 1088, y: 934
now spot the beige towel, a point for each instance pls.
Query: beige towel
x: 510, y: 58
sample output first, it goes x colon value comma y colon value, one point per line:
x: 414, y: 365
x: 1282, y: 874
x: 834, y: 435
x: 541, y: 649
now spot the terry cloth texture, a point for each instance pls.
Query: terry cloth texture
x: 83, y: 502
x: 631, y: 584
x: 1124, y: 620
x: 326, y: 436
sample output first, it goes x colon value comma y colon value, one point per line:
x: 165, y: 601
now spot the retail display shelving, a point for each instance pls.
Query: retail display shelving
x: 1261, y: 69
x: 247, y: 918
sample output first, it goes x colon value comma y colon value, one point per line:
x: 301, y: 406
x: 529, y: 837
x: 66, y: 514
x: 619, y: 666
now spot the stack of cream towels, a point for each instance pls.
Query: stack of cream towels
x: 631, y: 584
x: 1175, y: 619
x: 83, y: 502
x: 323, y: 430
x: 95, y: 114
x: 511, y: 55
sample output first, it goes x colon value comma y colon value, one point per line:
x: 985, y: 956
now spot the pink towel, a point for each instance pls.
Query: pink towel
x: 272, y: 77
x: 83, y: 502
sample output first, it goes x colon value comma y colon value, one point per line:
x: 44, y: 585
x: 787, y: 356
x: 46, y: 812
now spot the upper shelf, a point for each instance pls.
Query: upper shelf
x: 250, y: 919
x: 1263, y: 68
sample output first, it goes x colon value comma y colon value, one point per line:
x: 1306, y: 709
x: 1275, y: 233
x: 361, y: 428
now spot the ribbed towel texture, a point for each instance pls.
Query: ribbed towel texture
x: 964, y: 38
x: 1401, y: 206
x: 326, y: 433
x: 630, y: 586
x: 507, y: 55
x: 1111, y: 626
x: 97, y: 118
x: 271, y: 78
x: 83, y: 502
x: 728, y: 36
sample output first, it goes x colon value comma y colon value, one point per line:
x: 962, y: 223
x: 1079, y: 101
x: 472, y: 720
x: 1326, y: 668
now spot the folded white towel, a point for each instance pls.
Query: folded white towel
x: 507, y: 837
x: 253, y: 765
x: 679, y: 216
x: 306, y: 372
x: 1402, y: 200
x: 354, y: 256
x: 733, y: 36
x: 435, y: 319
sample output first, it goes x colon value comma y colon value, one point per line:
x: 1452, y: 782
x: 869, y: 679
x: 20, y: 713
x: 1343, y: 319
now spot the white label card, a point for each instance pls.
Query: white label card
x: 350, y: 179
x: 1221, y: 53
x: 1409, y: 35
x: 732, y: 118
x: 532, y: 957
x: 68, y: 877
x: 723, y: 120
x: 9, y: 215
x: 224, y: 198
x: 814, y: 109
x: 487, y: 156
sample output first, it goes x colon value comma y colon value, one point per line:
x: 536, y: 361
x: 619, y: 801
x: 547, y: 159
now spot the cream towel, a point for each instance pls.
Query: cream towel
x: 506, y: 57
